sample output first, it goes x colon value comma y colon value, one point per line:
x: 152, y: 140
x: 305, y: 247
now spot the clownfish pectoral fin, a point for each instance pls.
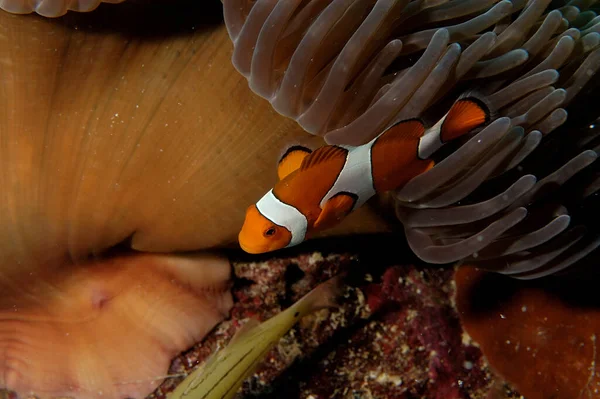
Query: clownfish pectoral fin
x: 467, y: 113
x: 335, y: 209
x: 291, y: 160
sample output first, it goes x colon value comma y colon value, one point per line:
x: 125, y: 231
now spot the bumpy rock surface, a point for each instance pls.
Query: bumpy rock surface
x: 396, y: 335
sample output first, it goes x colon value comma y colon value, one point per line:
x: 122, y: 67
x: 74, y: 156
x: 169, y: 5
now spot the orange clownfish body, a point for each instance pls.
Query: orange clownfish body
x: 318, y: 189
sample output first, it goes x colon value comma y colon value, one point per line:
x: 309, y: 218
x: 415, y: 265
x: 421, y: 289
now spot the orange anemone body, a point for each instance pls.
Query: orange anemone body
x: 125, y: 127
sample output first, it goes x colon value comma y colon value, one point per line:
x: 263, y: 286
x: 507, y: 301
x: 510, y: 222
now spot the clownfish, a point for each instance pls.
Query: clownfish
x: 317, y: 189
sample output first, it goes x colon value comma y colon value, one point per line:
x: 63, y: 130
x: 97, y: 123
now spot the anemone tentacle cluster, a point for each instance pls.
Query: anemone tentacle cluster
x: 346, y: 70
x: 51, y: 8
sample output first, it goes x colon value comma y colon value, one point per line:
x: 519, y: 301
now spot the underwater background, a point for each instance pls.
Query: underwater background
x: 134, y: 136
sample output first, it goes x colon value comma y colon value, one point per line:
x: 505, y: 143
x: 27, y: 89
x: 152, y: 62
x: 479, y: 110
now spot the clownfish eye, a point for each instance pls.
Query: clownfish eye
x: 270, y: 231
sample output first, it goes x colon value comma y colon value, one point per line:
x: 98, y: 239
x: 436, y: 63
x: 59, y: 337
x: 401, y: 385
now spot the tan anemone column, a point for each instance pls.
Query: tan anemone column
x: 124, y: 128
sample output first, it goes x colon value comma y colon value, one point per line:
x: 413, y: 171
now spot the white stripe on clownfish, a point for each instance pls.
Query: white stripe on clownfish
x: 279, y: 213
x: 431, y: 140
x: 356, y: 176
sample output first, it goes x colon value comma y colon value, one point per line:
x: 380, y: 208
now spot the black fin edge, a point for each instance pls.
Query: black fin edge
x: 481, y: 100
x: 293, y: 149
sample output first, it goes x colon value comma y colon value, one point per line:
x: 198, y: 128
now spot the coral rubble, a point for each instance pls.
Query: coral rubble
x: 397, y: 335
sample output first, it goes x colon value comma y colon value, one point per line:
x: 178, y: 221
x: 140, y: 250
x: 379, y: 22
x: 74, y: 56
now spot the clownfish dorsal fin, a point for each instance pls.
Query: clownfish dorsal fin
x: 467, y: 113
x: 335, y: 209
x: 408, y: 129
x: 322, y: 155
x: 291, y: 160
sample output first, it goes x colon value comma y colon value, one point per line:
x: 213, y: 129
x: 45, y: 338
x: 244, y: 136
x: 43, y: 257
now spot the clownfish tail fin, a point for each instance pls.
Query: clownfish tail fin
x: 469, y: 112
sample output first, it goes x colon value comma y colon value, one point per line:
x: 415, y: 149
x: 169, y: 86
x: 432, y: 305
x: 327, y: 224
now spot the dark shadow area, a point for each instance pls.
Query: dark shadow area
x: 147, y: 19
x: 292, y: 275
x: 368, y: 246
x: 491, y: 291
x: 287, y: 384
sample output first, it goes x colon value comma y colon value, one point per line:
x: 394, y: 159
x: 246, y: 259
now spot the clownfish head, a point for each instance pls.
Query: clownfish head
x: 271, y: 225
x: 260, y: 235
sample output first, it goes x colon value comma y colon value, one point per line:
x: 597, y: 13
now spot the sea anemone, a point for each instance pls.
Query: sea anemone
x: 88, y: 173
x: 125, y: 139
x: 51, y: 8
x: 518, y: 197
x: 346, y: 70
x: 541, y: 335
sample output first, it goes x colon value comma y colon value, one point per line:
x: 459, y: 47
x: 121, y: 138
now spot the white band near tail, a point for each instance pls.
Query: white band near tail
x: 356, y: 176
x: 431, y: 140
x: 283, y: 215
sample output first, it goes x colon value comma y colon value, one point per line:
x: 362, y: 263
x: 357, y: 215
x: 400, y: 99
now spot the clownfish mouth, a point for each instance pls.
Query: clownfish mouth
x: 246, y: 245
x: 255, y: 249
x: 252, y: 250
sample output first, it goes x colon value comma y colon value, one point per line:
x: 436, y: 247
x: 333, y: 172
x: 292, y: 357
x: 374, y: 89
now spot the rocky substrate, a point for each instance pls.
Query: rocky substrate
x: 396, y: 335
